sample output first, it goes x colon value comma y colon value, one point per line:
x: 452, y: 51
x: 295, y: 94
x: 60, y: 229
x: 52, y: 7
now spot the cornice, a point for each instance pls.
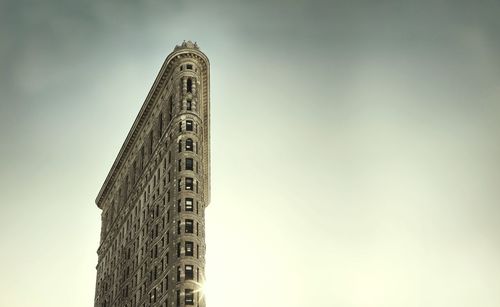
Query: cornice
x: 167, y: 68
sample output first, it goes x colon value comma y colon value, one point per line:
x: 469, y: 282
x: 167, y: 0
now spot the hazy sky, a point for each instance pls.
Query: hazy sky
x: 355, y: 146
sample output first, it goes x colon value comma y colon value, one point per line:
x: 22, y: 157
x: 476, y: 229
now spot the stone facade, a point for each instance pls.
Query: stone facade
x: 152, y: 247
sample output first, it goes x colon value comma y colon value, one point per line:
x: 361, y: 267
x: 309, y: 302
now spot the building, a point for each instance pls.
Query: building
x: 152, y: 247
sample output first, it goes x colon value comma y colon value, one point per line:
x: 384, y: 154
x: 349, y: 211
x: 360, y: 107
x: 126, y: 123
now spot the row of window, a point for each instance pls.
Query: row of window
x: 189, y: 184
x: 188, y: 226
x: 189, y: 126
x: 188, y: 146
x: 188, y: 273
x: 188, y: 298
x: 188, y: 67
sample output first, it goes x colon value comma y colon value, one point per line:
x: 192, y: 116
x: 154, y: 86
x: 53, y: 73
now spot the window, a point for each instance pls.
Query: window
x: 171, y: 107
x: 189, y: 164
x: 189, y: 66
x: 178, y: 205
x: 178, y: 227
x: 189, y: 271
x: 180, y: 126
x: 150, y: 143
x: 188, y: 228
x: 189, y: 125
x: 189, y: 204
x: 179, y: 185
x: 189, y: 298
x: 189, y: 85
x: 189, y: 184
x: 178, y: 273
x: 178, y: 298
x: 189, y: 105
x: 179, y: 166
x: 180, y: 145
x: 189, y: 248
x: 189, y: 145
x: 142, y: 157
x: 179, y: 248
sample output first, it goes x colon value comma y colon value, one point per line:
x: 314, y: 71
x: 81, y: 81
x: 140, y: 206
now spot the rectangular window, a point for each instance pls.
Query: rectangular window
x: 189, y: 66
x: 179, y: 185
x: 189, y: 298
x: 178, y: 273
x: 142, y: 158
x: 178, y: 295
x: 189, y: 107
x: 189, y: 248
x: 189, y: 204
x: 189, y: 125
x: 179, y: 165
x: 189, y: 271
x: 189, y: 164
x: 179, y: 249
x: 170, y: 107
x: 189, y: 145
x: 150, y: 143
x: 189, y: 183
x: 180, y: 126
x: 188, y: 228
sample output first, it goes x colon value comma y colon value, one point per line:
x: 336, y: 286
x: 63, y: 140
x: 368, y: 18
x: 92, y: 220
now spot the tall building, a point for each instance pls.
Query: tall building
x: 152, y: 247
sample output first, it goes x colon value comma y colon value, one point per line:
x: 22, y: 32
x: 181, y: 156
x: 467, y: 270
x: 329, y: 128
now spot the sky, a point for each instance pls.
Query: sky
x: 355, y: 146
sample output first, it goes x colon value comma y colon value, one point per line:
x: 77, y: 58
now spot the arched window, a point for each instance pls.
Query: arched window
x: 189, y: 145
x: 189, y: 85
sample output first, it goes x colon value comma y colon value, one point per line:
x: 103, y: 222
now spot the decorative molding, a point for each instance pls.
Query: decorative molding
x: 186, y: 50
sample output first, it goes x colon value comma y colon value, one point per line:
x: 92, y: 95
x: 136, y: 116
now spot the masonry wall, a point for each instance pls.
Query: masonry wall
x: 152, y: 250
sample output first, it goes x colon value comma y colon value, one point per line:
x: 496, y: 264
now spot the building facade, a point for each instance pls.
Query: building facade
x: 152, y: 246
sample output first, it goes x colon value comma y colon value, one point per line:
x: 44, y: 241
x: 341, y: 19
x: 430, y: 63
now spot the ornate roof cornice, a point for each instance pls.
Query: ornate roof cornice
x: 159, y: 83
x: 187, y: 45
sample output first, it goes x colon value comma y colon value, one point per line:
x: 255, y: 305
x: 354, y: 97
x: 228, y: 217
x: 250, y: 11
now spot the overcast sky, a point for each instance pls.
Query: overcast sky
x: 355, y: 146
